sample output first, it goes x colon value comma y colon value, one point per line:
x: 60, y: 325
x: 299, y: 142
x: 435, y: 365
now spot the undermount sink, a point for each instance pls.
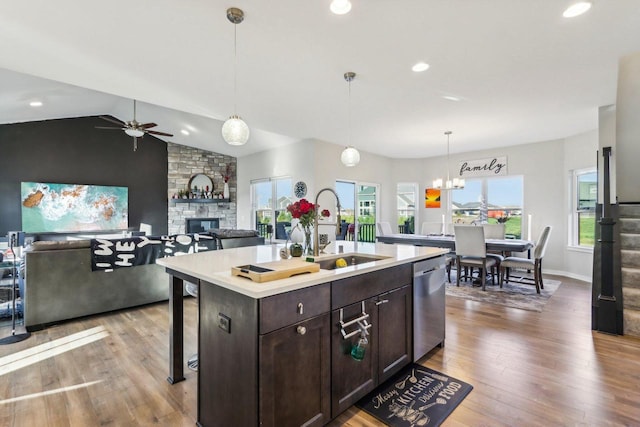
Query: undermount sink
x: 329, y: 263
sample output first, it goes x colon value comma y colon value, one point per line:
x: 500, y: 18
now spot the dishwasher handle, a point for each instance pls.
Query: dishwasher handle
x: 423, y: 272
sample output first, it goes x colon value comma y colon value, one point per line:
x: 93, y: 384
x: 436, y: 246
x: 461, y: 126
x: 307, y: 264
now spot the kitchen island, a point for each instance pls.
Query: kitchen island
x: 282, y: 352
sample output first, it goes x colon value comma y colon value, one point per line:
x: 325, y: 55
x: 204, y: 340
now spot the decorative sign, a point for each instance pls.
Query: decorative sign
x: 431, y: 198
x: 483, y: 167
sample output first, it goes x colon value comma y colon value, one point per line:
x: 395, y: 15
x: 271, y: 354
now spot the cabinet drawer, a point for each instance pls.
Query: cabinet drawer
x: 285, y: 309
x: 357, y: 288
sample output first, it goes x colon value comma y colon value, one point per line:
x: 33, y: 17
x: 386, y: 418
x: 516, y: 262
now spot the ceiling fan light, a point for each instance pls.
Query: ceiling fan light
x: 340, y: 7
x: 134, y: 132
x: 350, y: 156
x: 235, y: 131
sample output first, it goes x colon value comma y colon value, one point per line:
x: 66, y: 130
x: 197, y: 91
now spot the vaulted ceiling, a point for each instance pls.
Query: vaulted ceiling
x: 521, y: 72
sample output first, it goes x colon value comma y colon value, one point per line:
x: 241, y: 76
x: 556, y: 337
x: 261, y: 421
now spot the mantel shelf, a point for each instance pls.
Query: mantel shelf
x: 200, y: 200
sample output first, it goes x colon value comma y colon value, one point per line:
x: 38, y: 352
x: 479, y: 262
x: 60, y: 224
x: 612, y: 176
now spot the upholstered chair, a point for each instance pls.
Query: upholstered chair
x: 534, y: 264
x: 471, y: 251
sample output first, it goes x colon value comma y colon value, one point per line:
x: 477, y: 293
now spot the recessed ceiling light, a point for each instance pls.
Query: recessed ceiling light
x: 36, y: 103
x: 420, y: 66
x: 340, y: 7
x: 577, y: 9
x: 185, y: 132
x: 451, y: 98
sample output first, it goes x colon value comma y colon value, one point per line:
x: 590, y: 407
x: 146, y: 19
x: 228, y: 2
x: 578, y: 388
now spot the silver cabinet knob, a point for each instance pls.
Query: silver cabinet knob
x: 301, y: 330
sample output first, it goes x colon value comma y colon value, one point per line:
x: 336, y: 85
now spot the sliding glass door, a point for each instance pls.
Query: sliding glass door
x: 269, y: 200
x: 359, y: 209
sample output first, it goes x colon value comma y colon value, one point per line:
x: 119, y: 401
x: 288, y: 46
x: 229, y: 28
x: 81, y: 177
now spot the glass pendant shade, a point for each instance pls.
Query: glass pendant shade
x: 235, y: 131
x: 134, y: 132
x: 350, y: 157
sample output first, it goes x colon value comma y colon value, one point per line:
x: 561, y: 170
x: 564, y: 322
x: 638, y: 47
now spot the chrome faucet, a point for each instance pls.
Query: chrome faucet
x: 316, y: 248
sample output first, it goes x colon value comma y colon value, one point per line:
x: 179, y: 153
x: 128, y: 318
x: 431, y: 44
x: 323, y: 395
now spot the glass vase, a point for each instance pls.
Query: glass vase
x: 308, y: 247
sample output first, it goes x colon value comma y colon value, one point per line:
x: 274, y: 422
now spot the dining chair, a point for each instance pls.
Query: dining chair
x: 471, y: 251
x: 431, y: 228
x: 534, y: 264
x: 493, y: 231
x: 384, y: 228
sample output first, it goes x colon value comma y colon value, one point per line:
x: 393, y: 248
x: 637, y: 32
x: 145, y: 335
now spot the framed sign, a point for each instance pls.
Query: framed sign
x: 484, y: 167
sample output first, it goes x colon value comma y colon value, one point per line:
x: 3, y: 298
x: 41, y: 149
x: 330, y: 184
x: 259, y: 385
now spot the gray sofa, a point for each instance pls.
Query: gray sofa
x: 59, y: 284
x: 57, y: 281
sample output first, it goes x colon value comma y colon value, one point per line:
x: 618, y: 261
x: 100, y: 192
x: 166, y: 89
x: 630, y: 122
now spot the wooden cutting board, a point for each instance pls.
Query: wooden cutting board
x: 276, y: 270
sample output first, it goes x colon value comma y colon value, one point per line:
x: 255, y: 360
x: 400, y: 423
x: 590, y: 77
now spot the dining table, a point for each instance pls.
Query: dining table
x: 506, y: 246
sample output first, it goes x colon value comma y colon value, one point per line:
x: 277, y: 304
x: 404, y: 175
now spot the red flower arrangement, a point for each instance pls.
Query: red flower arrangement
x: 305, y: 211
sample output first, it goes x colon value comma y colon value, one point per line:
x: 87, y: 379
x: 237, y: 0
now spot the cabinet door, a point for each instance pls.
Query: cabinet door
x: 352, y: 379
x: 395, y: 331
x: 294, y: 385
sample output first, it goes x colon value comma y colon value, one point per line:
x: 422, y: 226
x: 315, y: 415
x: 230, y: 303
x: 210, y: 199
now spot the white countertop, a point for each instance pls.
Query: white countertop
x: 215, y: 266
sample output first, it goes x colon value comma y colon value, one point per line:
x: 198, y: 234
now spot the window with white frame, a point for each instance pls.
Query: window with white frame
x: 492, y: 200
x: 585, y: 194
x: 407, y: 195
x: 269, y: 200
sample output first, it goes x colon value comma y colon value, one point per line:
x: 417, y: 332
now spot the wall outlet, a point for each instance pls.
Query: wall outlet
x: 224, y: 323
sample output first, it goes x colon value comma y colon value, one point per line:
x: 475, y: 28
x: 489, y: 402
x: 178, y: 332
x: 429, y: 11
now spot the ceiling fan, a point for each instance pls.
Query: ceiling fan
x: 133, y: 128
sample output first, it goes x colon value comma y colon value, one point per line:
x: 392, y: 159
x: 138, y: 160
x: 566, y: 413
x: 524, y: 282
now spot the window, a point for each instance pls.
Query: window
x: 492, y: 200
x: 407, y: 194
x: 269, y: 200
x: 585, y: 193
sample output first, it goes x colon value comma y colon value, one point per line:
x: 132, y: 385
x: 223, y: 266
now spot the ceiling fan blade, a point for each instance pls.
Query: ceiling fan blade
x: 111, y: 120
x: 147, y: 125
x: 107, y: 127
x: 155, y: 132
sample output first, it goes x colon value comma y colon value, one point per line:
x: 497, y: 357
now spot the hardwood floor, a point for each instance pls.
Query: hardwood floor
x: 527, y: 369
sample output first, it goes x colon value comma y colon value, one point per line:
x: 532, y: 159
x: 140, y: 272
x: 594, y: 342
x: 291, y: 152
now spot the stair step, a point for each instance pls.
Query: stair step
x: 629, y: 211
x: 630, y: 241
x: 631, y: 322
x: 630, y: 225
x: 630, y: 277
x: 630, y: 258
x: 631, y: 298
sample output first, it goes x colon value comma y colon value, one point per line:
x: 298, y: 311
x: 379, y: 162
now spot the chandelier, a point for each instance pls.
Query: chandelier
x: 456, y: 183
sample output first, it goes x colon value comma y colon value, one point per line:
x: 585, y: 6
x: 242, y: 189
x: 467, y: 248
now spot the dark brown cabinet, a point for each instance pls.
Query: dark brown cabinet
x: 282, y: 360
x: 395, y: 332
x: 352, y: 379
x: 295, y: 375
x: 387, y: 351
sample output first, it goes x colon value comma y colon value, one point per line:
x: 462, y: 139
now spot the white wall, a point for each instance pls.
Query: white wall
x: 317, y: 163
x: 296, y: 160
x: 580, y: 152
x: 628, y: 129
x: 545, y: 166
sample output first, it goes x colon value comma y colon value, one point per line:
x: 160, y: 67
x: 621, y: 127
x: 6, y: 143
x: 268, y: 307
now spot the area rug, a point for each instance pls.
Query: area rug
x: 415, y: 396
x: 512, y: 294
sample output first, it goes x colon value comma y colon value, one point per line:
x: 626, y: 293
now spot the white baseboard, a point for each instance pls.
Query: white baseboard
x: 568, y: 274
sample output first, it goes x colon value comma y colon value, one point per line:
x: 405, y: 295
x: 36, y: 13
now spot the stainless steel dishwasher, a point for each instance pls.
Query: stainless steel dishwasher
x: 428, y: 305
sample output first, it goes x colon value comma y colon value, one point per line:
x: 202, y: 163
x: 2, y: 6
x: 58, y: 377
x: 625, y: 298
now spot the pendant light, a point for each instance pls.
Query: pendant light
x: 350, y: 156
x: 456, y: 183
x: 235, y: 131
